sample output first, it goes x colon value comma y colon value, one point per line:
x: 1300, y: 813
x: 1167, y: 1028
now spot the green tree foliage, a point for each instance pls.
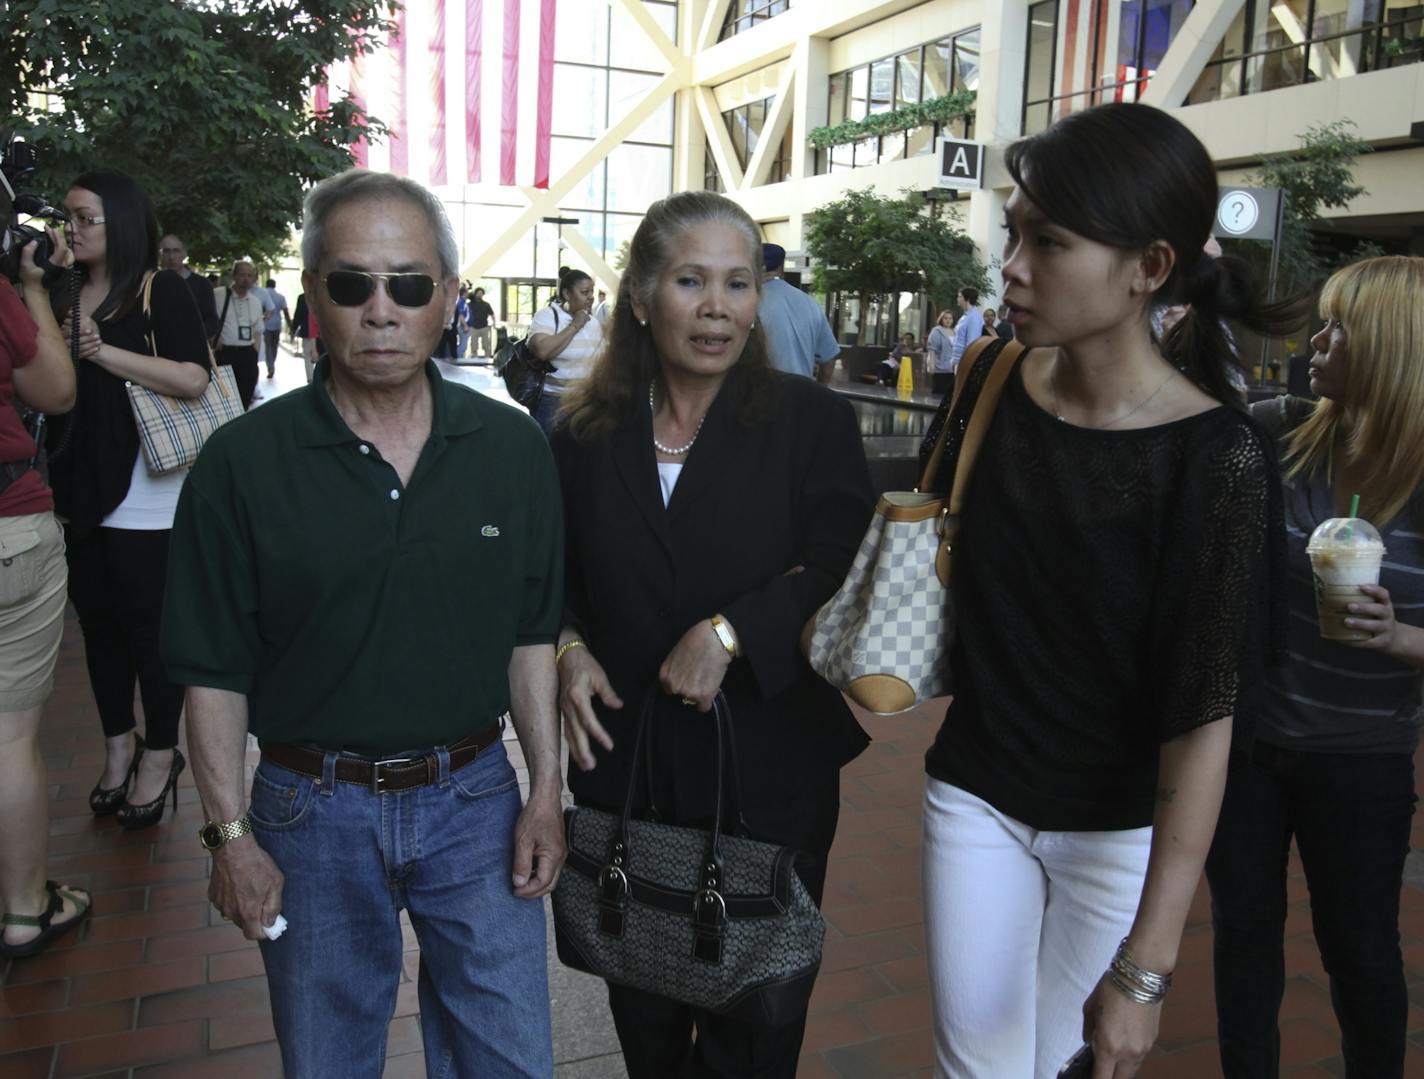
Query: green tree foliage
x: 205, y: 102
x: 868, y: 244
x: 1319, y: 176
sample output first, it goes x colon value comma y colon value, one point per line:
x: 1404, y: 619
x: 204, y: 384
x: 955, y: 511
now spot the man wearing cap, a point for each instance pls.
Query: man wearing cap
x: 366, y: 574
x: 797, y: 334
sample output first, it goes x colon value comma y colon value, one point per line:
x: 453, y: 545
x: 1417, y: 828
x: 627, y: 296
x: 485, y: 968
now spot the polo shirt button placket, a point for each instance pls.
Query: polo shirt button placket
x: 395, y: 494
x: 365, y: 450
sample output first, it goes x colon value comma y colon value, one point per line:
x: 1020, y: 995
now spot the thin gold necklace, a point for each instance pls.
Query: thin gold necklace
x: 1058, y: 413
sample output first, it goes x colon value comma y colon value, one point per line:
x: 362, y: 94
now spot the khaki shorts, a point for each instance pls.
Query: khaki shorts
x: 33, y: 576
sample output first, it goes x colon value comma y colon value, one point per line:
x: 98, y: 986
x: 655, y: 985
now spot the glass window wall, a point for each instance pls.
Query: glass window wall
x: 917, y: 74
x: 1282, y: 43
x: 601, y: 71
x: 743, y: 15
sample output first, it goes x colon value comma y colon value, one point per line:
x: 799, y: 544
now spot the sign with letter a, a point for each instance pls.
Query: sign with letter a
x: 961, y: 164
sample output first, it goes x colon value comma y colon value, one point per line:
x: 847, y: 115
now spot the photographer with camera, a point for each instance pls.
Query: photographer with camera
x: 36, y: 372
x: 136, y: 325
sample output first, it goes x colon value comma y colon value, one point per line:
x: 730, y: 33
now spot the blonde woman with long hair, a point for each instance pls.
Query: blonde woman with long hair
x: 1333, y: 759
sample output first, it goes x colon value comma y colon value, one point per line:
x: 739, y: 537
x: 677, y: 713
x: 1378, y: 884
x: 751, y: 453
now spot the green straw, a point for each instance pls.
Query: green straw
x: 1355, y: 506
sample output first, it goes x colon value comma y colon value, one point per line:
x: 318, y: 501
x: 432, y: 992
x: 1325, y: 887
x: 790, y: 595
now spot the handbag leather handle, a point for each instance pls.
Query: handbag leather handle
x: 710, y: 872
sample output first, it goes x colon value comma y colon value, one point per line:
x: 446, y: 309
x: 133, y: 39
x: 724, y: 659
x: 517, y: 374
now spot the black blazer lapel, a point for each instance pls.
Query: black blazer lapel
x: 637, y: 467
x: 725, y: 450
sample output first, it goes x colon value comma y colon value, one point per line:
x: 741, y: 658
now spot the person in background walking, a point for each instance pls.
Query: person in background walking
x: 272, y: 324
x: 940, y: 348
x: 1332, y: 764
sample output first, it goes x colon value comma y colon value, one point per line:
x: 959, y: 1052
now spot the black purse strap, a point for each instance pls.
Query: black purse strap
x: 216, y: 341
x: 709, y: 908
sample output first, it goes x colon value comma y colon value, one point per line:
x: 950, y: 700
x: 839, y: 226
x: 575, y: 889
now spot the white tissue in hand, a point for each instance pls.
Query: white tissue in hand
x: 276, y: 929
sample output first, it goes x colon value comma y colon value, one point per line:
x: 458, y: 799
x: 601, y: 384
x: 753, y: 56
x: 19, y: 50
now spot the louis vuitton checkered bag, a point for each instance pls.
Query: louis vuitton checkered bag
x: 884, y: 638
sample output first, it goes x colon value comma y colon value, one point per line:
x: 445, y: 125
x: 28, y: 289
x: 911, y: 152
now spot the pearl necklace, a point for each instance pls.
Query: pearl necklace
x: 1053, y: 389
x: 672, y: 451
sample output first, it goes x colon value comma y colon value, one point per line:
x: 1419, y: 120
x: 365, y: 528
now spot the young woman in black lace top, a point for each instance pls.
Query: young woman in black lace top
x: 1112, y: 589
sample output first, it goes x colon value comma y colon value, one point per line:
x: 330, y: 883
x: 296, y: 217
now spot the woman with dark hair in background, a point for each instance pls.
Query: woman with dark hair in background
x: 1112, y: 589
x: 712, y: 505
x: 116, y: 516
x: 566, y: 334
x: 1333, y: 759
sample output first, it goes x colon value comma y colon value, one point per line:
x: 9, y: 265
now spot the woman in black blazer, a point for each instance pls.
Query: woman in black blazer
x: 712, y: 505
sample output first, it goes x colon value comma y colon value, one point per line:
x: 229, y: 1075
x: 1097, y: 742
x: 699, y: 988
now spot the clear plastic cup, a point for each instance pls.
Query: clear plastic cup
x: 1345, y: 553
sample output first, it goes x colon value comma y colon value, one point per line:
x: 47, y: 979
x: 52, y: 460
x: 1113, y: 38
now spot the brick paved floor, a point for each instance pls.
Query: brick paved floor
x: 156, y: 986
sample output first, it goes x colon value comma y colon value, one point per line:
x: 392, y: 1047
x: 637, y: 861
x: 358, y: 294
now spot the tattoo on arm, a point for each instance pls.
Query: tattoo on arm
x: 1166, y: 794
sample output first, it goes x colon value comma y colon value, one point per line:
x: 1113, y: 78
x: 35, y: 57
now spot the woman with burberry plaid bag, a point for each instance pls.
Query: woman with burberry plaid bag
x: 117, y: 516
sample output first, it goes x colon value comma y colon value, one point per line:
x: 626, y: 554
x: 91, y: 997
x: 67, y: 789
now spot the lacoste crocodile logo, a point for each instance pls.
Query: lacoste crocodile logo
x: 489, y: 531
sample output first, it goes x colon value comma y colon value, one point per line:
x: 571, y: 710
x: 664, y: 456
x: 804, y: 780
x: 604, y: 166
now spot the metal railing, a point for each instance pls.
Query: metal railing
x: 1383, y: 45
x: 741, y: 19
x: 1327, y: 56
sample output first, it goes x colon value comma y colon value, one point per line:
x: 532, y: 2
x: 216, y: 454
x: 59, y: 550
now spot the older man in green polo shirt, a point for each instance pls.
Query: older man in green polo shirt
x: 366, y: 574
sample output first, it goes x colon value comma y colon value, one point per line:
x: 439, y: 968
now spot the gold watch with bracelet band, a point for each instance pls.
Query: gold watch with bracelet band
x: 215, y: 834
x: 724, y: 635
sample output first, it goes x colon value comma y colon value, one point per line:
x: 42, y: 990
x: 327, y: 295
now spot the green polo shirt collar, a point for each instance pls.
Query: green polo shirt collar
x: 321, y: 424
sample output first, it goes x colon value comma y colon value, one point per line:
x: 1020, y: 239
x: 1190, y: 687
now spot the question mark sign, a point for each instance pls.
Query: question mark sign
x: 1240, y: 209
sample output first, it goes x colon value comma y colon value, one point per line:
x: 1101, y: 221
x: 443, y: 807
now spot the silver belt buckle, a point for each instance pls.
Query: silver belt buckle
x: 389, y: 762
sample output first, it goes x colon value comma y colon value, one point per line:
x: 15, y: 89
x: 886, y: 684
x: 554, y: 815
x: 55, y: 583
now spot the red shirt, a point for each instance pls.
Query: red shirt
x: 18, y: 345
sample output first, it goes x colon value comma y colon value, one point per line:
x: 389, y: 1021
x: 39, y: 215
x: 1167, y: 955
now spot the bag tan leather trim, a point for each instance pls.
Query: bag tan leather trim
x: 883, y: 694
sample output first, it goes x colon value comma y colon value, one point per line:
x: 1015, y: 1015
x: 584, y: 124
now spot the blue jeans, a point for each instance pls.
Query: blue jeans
x: 353, y: 860
x: 546, y: 410
x: 1350, y: 815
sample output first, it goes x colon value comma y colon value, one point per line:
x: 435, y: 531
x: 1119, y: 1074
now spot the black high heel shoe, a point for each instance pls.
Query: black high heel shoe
x: 134, y: 817
x: 106, y: 800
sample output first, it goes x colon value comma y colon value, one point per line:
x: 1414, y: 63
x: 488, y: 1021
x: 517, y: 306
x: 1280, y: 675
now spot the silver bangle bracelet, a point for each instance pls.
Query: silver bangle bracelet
x: 1144, y: 986
x: 1133, y: 992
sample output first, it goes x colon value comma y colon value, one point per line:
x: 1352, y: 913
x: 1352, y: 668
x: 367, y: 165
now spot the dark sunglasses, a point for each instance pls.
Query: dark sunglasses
x: 352, y: 288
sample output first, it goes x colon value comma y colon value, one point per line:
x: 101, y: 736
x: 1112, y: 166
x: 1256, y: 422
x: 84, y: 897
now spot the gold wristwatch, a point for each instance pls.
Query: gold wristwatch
x: 724, y: 634
x: 215, y: 834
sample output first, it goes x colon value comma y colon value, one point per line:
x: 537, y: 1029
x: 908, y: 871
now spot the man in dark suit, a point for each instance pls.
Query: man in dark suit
x: 173, y: 255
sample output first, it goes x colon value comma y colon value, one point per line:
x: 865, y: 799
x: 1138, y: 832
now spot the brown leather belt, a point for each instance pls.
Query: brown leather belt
x: 390, y: 774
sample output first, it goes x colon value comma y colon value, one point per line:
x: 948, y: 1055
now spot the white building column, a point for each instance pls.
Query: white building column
x: 810, y: 110
x: 998, y: 118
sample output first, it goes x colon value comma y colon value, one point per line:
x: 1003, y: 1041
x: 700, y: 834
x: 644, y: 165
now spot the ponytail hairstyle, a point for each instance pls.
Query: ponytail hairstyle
x: 569, y: 280
x: 1127, y: 175
x: 618, y: 383
x: 130, y: 237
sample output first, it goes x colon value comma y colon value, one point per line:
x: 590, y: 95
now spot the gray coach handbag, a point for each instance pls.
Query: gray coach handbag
x: 717, y: 921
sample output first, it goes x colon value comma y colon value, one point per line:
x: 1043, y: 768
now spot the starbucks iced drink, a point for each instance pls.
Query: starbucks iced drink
x: 1345, y: 553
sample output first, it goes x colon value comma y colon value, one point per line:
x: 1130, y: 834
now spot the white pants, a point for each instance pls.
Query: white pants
x: 1019, y: 926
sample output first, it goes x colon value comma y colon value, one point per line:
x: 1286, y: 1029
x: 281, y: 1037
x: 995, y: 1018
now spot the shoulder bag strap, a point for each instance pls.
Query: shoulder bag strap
x: 980, y: 420
x: 148, y: 311
x: 966, y: 364
x: 222, y: 319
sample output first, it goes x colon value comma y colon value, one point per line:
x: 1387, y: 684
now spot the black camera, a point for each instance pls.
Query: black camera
x: 17, y: 165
